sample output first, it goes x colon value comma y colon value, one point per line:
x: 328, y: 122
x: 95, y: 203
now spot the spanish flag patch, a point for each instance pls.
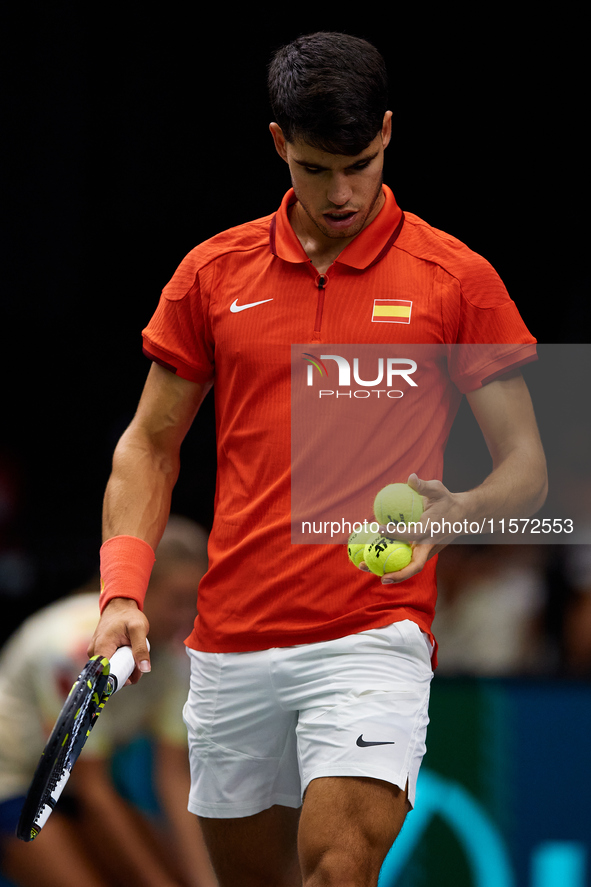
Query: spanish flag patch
x: 391, y: 311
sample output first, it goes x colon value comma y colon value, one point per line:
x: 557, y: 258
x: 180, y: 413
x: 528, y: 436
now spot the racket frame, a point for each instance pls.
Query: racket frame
x: 97, y: 681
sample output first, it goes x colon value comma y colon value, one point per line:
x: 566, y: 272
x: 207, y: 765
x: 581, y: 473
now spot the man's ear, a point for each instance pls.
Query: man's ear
x: 279, y: 140
x: 387, y: 129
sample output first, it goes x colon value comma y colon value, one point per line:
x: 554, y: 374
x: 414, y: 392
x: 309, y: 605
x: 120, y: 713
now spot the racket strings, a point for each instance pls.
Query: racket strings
x: 84, y: 704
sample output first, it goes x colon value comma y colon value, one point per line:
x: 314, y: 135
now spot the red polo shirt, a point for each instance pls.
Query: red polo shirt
x: 230, y: 316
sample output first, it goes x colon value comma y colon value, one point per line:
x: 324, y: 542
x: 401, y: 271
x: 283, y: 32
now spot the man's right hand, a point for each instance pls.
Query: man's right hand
x: 122, y: 623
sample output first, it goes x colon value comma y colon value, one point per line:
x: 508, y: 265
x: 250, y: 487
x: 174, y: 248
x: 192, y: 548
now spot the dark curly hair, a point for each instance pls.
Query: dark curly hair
x: 330, y: 90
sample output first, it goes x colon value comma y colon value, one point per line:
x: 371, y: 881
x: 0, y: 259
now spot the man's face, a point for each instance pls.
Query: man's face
x: 340, y: 195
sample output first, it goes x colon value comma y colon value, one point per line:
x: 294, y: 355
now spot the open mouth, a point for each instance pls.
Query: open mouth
x: 340, y: 219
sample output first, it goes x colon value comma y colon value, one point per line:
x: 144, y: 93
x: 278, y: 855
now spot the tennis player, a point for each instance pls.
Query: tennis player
x: 307, y: 712
x: 104, y: 831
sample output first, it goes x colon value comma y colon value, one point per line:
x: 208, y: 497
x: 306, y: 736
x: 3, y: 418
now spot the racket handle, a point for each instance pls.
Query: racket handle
x: 122, y: 665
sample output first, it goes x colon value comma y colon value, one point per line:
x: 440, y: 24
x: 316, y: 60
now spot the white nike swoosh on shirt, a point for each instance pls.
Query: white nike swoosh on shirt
x: 234, y: 307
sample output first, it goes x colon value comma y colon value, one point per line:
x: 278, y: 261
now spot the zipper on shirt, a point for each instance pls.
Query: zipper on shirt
x: 321, y: 281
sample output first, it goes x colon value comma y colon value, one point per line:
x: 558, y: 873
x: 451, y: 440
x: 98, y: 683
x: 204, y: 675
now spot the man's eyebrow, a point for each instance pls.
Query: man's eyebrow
x: 361, y: 160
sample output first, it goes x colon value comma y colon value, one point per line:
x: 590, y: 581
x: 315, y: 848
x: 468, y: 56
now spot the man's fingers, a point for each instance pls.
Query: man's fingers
x: 103, y: 644
x: 136, y: 629
x: 123, y: 624
x: 141, y: 653
x: 430, y: 489
x: 420, y: 556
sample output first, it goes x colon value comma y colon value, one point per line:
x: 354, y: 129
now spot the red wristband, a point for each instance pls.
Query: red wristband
x: 126, y: 565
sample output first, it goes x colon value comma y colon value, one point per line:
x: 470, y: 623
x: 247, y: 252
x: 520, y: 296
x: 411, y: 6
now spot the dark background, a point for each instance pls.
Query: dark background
x: 131, y: 135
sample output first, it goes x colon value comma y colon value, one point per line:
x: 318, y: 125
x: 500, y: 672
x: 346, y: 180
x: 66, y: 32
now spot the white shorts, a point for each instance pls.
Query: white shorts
x: 263, y: 725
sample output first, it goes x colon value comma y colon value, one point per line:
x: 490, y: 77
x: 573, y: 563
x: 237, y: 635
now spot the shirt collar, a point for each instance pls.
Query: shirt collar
x: 366, y: 249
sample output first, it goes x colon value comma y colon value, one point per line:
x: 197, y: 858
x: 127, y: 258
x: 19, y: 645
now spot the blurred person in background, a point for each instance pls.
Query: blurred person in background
x: 573, y: 498
x: 490, y: 610
x: 97, y: 837
x: 577, y: 619
x: 17, y: 566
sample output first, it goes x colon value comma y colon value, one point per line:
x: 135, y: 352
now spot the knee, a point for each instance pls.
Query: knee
x: 342, y: 868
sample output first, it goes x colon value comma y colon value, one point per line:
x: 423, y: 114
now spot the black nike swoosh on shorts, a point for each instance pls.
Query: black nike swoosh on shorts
x: 363, y: 744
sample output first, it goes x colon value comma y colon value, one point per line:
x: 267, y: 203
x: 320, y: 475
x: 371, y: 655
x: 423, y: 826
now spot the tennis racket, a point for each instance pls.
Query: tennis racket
x: 97, y: 681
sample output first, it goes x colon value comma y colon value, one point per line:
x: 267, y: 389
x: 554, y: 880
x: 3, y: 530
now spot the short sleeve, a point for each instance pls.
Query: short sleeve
x: 492, y: 337
x: 178, y: 335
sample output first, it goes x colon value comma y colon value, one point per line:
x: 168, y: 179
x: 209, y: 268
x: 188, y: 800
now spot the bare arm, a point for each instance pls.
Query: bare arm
x: 146, y: 465
x: 516, y: 486
x: 518, y: 483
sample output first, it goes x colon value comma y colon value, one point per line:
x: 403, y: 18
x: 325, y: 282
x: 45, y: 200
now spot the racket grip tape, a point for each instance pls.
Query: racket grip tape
x: 122, y: 665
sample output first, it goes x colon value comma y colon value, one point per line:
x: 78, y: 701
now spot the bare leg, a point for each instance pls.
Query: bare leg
x: 347, y: 826
x: 255, y: 851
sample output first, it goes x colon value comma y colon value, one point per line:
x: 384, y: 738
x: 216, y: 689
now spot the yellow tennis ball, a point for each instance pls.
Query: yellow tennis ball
x: 356, y: 545
x: 384, y: 555
x: 397, y: 503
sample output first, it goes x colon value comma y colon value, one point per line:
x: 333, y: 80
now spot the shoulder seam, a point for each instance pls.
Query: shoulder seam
x: 215, y: 247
